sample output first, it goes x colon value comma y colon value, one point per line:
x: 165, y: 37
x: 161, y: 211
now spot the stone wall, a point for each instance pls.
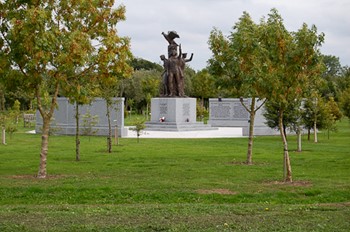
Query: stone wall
x: 64, y: 117
x: 229, y: 112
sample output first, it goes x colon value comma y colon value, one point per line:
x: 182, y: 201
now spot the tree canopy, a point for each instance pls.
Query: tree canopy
x: 54, y: 42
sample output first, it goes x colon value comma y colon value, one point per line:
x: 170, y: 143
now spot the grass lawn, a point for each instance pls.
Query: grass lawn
x: 175, y: 185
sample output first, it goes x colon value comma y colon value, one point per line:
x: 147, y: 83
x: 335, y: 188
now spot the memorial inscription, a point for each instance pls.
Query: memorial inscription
x: 239, y: 112
x: 163, y: 108
x: 221, y: 111
x: 186, y: 109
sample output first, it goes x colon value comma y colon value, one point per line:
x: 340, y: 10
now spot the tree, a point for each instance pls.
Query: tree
x: 48, y: 40
x: 89, y: 121
x: 330, y: 76
x: 142, y: 64
x: 291, y: 118
x: 204, y: 84
x: 240, y: 62
x: 344, y: 85
x: 80, y: 90
x: 294, y: 63
x: 333, y: 114
x: 112, y: 68
x: 139, y: 126
x: 313, y: 114
x: 345, y: 102
x: 143, y: 85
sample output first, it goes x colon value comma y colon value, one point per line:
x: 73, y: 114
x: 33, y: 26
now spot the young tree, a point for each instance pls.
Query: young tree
x: 294, y: 63
x: 112, y: 72
x: 313, y: 114
x: 89, y: 121
x: 139, y: 126
x: 333, y: 114
x: 291, y: 118
x: 240, y: 60
x: 48, y: 40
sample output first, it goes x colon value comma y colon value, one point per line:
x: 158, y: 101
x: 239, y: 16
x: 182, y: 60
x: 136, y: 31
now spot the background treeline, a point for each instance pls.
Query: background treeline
x: 145, y: 83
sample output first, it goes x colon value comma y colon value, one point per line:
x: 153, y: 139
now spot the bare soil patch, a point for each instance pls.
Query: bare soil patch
x: 30, y: 177
x: 245, y: 163
x: 216, y: 191
x: 301, y: 183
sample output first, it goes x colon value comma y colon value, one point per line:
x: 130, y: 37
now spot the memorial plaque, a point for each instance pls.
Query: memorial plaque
x: 239, y: 112
x: 221, y: 111
x: 163, y: 108
x: 229, y: 112
x: 186, y: 109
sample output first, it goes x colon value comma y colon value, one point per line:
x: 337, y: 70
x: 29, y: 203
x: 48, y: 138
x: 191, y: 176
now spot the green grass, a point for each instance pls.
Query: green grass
x: 175, y: 185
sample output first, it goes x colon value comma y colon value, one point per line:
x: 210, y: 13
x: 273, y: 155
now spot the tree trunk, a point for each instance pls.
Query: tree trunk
x: 252, y: 111
x: 77, y: 133
x: 109, y: 139
x: 287, y: 168
x: 308, y: 134
x: 46, y: 128
x: 251, y: 132
x: 299, y: 139
x: 44, y: 147
x: 315, y: 132
x: 285, y: 132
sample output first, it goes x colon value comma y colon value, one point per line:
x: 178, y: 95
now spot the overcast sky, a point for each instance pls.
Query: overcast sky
x: 195, y: 19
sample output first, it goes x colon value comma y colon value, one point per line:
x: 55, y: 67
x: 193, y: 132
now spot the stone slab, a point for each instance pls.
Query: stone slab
x: 64, y: 117
x: 229, y: 112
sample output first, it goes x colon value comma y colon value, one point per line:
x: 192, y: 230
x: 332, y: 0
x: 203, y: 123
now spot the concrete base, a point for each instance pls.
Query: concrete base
x: 171, y: 126
x: 175, y: 114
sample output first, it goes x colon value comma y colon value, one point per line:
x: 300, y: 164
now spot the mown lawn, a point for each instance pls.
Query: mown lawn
x: 175, y: 185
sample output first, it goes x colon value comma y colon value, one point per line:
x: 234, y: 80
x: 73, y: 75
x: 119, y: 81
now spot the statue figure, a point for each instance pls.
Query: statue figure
x: 164, y: 91
x: 172, y: 47
x: 174, y: 66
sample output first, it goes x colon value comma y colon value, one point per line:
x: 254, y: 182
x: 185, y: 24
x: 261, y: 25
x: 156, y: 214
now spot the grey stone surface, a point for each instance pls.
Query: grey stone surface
x: 179, y: 114
x: 178, y: 110
x: 64, y: 117
x: 229, y: 112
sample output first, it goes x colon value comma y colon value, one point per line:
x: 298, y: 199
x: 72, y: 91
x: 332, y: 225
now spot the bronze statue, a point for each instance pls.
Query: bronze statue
x: 174, y: 66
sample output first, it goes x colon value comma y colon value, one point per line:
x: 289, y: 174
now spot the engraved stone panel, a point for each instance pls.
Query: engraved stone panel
x: 186, y: 109
x: 163, y: 108
x: 220, y: 110
x: 239, y: 112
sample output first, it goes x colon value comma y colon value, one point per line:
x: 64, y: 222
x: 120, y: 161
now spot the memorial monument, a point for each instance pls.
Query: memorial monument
x: 229, y: 112
x: 64, y: 117
x: 173, y: 110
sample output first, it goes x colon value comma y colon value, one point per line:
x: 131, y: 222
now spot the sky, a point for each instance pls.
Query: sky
x: 193, y: 20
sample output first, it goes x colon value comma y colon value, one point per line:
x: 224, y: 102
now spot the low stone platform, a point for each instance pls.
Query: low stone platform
x: 173, y: 126
x: 175, y: 114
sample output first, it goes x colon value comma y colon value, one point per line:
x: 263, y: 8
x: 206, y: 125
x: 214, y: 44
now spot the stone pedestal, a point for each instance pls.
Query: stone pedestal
x: 175, y: 114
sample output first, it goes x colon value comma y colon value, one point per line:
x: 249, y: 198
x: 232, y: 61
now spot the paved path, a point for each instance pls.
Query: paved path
x: 222, y: 132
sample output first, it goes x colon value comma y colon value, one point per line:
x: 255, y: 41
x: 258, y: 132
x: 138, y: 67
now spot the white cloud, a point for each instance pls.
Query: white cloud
x: 194, y: 19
